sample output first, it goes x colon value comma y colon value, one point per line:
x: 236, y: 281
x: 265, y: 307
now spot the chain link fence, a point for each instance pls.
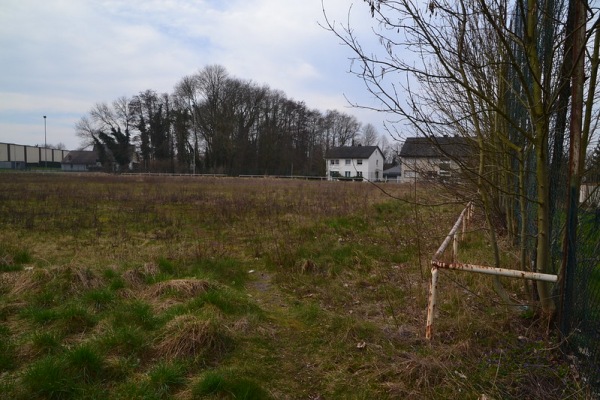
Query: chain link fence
x: 580, y: 322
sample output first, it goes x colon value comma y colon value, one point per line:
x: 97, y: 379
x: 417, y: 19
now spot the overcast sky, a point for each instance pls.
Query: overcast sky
x: 60, y: 57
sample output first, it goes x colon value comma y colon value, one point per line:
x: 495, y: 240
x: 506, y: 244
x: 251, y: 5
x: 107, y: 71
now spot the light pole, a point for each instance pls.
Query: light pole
x: 45, y: 152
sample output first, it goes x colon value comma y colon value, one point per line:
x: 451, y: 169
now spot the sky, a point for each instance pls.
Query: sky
x: 59, y: 58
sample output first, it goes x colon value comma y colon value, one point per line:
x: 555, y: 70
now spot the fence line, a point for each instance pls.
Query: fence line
x: 303, y: 177
x: 171, y: 174
x: 436, y: 264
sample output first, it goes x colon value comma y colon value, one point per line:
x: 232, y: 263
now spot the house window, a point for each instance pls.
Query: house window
x: 347, y: 162
x: 347, y: 174
x: 334, y: 162
x: 359, y: 174
x: 331, y: 162
x: 376, y: 162
x: 359, y: 162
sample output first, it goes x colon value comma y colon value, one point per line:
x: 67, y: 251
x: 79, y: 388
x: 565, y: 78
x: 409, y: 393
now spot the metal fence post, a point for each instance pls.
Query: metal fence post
x: 431, y: 302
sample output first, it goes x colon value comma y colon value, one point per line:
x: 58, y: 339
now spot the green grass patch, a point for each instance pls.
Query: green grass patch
x: 229, y: 301
x: 228, y: 271
x: 166, y: 377
x: 46, y: 342
x: 135, y: 314
x: 224, y: 384
x: 13, y: 258
x: 100, y: 299
x: 73, y: 374
x: 7, y: 351
x: 124, y: 340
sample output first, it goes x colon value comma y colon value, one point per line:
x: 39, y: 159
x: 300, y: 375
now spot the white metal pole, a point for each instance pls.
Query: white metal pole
x: 482, y: 269
x: 431, y: 305
x: 455, y: 247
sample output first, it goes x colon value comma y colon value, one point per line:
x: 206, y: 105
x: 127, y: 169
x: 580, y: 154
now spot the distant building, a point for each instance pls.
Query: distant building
x: 433, y: 158
x: 354, y: 163
x: 18, y: 156
x: 393, y: 174
x: 589, y: 193
x: 81, y: 161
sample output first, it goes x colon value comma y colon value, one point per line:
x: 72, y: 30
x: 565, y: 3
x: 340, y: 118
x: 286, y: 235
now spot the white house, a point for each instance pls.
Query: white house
x: 354, y: 162
x: 433, y: 157
x: 590, y: 193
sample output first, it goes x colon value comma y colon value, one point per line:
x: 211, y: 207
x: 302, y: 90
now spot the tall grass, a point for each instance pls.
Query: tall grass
x: 155, y: 287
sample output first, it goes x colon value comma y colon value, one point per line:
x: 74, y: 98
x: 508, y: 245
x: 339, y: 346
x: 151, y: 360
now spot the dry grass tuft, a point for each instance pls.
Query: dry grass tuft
x: 423, y: 372
x: 83, y: 279
x: 138, y: 276
x: 189, y: 336
x: 28, y: 281
x: 179, y: 287
x: 129, y: 294
x: 308, y: 267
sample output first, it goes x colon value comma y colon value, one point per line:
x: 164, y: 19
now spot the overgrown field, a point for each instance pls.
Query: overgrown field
x: 115, y: 287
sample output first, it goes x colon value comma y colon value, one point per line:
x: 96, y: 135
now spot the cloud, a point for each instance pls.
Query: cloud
x: 60, y: 57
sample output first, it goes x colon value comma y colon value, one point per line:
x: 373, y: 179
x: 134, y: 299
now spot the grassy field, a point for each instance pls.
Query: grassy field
x: 116, y: 287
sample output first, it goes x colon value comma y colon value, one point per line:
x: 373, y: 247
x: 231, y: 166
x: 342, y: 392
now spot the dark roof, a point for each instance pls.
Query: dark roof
x: 445, y: 146
x: 393, y: 171
x: 84, y: 157
x: 351, y: 152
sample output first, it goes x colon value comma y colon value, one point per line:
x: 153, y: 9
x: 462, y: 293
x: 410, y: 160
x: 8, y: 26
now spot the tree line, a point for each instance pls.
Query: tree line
x: 216, y: 123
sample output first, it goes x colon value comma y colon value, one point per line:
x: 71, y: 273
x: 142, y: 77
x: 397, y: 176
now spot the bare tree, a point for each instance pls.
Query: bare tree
x: 108, y: 128
x: 369, y: 137
x: 490, y: 72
